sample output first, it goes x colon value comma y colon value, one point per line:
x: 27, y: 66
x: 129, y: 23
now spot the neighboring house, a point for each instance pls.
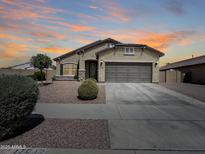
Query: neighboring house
x: 26, y: 69
x: 189, y: 71
x: 24, y: 66
x: 111, y: 61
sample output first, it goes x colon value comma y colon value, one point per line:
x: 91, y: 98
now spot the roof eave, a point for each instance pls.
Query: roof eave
x: 156, y: 51
x: 86, y: 47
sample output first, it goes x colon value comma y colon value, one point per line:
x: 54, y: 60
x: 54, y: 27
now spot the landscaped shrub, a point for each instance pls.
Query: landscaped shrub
x: 92, y: 80
x: 18, y: 96
x: 76, y: 77
x: 88, y: 90
x: 37, y: 76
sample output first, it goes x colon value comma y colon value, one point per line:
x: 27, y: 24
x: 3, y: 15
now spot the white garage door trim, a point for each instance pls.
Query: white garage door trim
x: 128, y: 72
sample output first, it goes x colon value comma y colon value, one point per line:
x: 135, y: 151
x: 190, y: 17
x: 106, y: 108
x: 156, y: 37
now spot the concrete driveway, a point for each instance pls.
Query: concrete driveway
x: 192, y: 90
x: 155, y: 118
x: 142, y: 118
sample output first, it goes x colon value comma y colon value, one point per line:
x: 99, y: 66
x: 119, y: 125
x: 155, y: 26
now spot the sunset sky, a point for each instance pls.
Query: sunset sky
x: 27, y: 27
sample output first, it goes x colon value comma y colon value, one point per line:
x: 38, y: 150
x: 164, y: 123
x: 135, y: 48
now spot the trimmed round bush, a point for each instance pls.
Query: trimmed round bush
x: 94, y: 80
x: 18, y: 96
x: 88, y: 90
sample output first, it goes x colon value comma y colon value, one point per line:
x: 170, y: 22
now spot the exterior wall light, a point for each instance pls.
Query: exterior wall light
x: 101, y: 63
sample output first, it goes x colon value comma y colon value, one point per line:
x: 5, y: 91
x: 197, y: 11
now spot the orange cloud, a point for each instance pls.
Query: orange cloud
x: 113, y: 11
x: 13, y: 37
x: 85, y: 41
x: 117, y: 12
x: 77, y: 28
x: 11, y: 2
x: 21, y: 14
x: 74, y: 27
x: 47, y: 34
x: 27, y: 10
x: 161, y: 41
x: 11, y: 50
x: 55, y: 49
x: 1, y: 6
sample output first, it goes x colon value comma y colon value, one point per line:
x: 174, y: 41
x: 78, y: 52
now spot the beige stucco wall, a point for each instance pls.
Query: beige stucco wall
x: 162, y: 76
x: 88, y: 55
x: 117, y: 55
x: 71, y: 59
x: 57, y: 68
x: 170, y: 76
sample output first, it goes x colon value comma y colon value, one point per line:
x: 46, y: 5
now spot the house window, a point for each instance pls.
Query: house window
x: 69, y: 69
x: 129, y: 51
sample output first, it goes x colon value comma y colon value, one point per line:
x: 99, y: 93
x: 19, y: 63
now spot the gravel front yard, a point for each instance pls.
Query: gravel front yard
x: 66, y: 92
x: 59, y: 133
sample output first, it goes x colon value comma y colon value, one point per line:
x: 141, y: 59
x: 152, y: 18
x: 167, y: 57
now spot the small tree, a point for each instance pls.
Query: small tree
x: 41, y: 62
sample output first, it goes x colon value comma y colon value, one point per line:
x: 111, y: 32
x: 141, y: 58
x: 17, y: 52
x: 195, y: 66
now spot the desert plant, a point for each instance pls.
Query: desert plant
x: 88, y: 90
x: 76, y: 77
x: 38, y: 76
x: 41, y: 62
x: 18, y: 96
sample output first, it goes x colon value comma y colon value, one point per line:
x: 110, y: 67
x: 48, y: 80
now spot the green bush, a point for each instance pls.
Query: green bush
x: 76, y: 77
x: 18, y: 96
x: 92, y: 80
x: 88, y: 90
x: 37, y: 76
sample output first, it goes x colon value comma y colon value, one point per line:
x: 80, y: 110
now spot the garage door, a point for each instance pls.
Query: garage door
x: 128, y: 72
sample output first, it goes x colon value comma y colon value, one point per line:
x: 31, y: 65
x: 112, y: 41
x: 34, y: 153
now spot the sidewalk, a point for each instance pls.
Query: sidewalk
x: 84, y: 151
x: 77, y: 111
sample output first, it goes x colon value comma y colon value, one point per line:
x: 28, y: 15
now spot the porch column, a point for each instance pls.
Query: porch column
x: 81, y: 73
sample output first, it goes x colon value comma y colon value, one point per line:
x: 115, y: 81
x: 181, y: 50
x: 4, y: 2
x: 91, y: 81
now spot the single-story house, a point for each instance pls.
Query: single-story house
x: 24, y: 66
x: 109, y: 60
x: 190, y: 71
x: 26, y: 69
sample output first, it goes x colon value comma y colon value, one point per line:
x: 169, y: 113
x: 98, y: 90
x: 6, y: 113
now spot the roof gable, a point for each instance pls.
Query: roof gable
x: 82, y: 49
x: 142, y: 46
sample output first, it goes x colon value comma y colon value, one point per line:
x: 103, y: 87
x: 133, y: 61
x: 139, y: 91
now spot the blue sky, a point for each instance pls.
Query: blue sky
x: 27, y: 27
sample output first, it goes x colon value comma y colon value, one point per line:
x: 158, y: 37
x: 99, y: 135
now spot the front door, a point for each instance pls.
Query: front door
x: 93, y: 70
